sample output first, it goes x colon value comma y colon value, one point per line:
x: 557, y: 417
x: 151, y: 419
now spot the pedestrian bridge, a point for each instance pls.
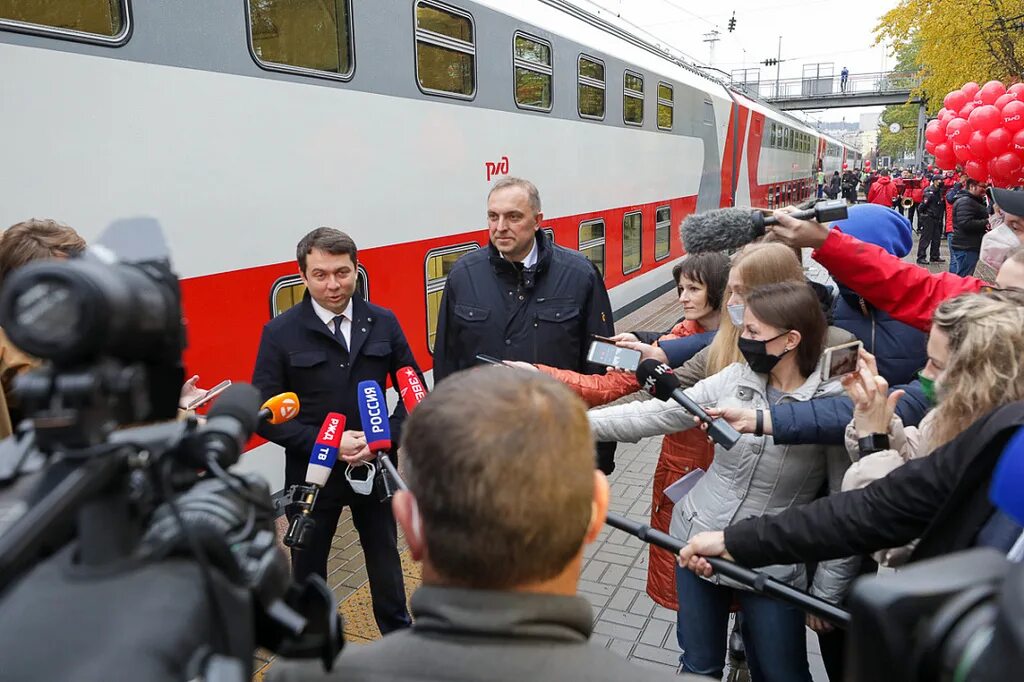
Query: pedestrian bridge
x: 829, y: 91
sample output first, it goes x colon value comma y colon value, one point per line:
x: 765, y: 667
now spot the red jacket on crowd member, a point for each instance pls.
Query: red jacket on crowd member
x: 917, y: 193
x: 681, y: 453
x: 883, y: 192
x: 907, y: 292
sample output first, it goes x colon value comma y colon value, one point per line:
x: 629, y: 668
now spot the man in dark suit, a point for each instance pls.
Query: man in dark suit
x: 522, y: 298
x: 321, y: 349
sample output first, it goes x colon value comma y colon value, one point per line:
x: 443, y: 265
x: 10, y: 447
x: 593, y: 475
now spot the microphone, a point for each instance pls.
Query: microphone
x: 321, y: 462
x: 279, y: 408
x: 731, y: 228
x: 410, y: 388
x: 1007, y: 491
x: 754, y: 580
x: 230, y: 423
x: 659, y: 380
x: 325, y: 449
x: 373, y: 411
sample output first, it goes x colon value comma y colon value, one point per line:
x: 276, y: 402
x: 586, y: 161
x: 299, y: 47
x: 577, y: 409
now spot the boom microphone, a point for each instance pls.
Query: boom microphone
x: 279, y: 408
x: 321, y: 462
x: 410, y: 388
x: 731, y: 228
x: 659, y: 380
x: 374, y: 413
x: 755, y: 580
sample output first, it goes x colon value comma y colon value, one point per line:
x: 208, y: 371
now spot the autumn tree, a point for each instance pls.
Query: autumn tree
x: 902, y: 143
x: 978, y: 40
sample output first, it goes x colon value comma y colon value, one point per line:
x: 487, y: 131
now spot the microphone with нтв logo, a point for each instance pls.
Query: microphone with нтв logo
x: 659, y: 380
x: 321, y: 462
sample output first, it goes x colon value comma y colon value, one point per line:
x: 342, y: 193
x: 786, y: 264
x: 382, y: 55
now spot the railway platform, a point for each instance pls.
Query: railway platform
x: 614, y: 575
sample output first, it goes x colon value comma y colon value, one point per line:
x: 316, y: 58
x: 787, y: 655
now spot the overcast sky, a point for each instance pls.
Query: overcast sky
x: 813, y: 31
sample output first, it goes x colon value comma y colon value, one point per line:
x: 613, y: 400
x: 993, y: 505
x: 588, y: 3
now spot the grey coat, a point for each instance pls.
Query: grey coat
x: 755, y: 478
x: 461, y: 635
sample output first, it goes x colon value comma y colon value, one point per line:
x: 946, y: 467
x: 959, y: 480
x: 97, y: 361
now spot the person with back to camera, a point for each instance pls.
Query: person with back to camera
x: 782, y: 340
x: 933, y: 493
x: 498, y: 513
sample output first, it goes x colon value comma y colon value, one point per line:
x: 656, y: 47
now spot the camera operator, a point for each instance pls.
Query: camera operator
x: 22, y: 243
x: 498, y: 512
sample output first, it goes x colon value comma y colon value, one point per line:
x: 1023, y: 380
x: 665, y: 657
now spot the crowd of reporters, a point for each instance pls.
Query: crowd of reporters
x: 893, y: 459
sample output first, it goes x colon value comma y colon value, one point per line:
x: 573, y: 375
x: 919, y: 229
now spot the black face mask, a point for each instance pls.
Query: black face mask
x: 757, y: 356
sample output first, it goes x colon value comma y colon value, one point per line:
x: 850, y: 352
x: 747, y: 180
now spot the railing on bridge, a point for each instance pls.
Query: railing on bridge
x: 833, y: 86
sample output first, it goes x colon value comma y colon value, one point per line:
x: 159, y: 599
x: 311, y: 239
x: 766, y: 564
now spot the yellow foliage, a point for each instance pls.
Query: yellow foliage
x: 977, y: 40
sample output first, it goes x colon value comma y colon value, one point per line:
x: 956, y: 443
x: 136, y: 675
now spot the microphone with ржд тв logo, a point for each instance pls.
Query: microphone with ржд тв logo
x: 321, y: 463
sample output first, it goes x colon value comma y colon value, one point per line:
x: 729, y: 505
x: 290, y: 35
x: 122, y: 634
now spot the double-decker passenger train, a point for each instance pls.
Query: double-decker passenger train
x: 242, y: 124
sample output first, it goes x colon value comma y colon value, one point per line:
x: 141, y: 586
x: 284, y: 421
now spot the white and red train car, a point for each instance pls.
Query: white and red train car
x: 241, y: 125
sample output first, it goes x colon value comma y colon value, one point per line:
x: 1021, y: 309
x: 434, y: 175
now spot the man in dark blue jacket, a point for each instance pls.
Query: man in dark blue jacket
x: 321, y: 349
x: 522, y: 297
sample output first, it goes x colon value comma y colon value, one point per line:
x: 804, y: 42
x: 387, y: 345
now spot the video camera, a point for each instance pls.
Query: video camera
x: 123, y: 537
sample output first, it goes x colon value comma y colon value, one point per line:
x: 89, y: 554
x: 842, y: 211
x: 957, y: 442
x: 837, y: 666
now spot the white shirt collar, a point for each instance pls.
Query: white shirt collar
x: 326, y: 316
x: 531, y: 258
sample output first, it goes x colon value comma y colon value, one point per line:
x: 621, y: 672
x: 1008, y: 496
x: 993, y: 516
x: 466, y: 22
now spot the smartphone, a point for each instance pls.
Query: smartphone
x: 490, y: 360
x: 601, y: 338
x: 610, y: 355
x: 209, y: 395
x: 840, y: 360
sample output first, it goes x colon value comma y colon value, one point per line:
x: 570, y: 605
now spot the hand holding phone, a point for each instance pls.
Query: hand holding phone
x: 840, y: 360
x: 610, y: 355
x: 209, y: 395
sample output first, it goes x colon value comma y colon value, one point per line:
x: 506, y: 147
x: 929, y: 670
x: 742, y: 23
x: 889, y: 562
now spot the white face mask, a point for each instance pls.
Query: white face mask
x: 736, y: 314
x: 996, y: 245
x: 361, y: 486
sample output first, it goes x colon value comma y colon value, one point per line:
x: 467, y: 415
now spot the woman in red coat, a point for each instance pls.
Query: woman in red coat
x: 916, y: 195
x: 700, y: 280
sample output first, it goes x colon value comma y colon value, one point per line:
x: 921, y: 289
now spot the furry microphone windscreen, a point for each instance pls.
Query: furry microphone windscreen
x: 718, y: 230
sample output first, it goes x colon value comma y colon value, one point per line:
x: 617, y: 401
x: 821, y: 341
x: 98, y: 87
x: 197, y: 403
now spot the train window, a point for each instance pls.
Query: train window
x: 787, y: 138
x: 289, y: 290
x: 439, y: 264
x: 590, y: 75
x: 592, y: 242
x: 633, y: 98
x: 666, y: 104
x: 550, y: 233
x: 531, y: 61
x: 303, y: 36
x: 778, y: 136
x: 662, y: 232
x: 445, y: 50
x: 709, y: 112
x: 632, y: 224
x: 104, y: 21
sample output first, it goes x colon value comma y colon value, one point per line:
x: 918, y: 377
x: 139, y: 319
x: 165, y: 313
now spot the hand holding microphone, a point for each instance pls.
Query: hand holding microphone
x: 731, y: 228
x: 659, y: 380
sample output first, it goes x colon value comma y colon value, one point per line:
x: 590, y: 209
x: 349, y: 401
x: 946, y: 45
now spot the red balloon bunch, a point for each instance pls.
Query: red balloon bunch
x: 981, y: 128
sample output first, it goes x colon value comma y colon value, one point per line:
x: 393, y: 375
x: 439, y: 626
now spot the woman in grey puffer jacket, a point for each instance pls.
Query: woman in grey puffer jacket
x: 782, y: 341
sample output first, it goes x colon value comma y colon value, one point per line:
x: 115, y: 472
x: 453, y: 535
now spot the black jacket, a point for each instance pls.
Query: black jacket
x: 941, y: 498
x: 931, y: 205
x: 970, y: 219
x: 546, y: 314
x: 299, y: 353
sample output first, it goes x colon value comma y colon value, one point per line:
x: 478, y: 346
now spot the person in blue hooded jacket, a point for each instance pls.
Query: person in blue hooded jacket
x: 899, y: 348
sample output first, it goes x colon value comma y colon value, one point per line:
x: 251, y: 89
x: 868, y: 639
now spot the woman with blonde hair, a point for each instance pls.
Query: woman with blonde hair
x: 974, y: 365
